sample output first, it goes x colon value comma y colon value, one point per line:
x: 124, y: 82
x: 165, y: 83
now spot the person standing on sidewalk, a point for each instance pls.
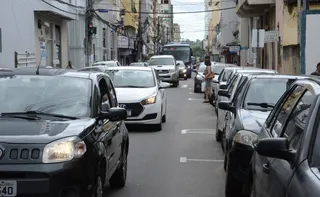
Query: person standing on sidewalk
x: 208, y: 76
x: 317, y: 72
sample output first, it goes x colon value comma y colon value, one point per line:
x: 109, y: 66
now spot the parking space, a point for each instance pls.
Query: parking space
x: 182, y: 160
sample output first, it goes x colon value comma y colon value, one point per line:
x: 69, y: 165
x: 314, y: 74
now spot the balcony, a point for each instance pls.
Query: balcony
x: 252, y: 8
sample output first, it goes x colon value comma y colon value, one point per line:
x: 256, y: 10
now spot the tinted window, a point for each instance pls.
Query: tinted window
x: 132, y: 78
x: 298, y: 120
x: 233, y: 84
x: 50, y: 94
x: 227, y: 75
x: 161, y: 61
x: 264, y: 91
x: 278, y: 121
x: 108, y: 64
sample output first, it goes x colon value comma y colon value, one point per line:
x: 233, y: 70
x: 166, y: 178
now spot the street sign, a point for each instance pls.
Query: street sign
x: 271, y: 36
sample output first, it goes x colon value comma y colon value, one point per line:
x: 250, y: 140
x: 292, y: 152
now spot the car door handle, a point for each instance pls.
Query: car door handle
x: 266, y: 168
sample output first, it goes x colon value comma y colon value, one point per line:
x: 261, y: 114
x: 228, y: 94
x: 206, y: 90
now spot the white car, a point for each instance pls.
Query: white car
x: 141, y: 92
x: 107, y: 63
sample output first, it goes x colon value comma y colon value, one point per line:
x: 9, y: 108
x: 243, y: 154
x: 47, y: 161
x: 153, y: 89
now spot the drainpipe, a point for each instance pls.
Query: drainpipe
x: 255, y: 49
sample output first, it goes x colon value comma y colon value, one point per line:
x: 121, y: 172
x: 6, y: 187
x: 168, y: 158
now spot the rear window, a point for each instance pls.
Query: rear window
x: 161, y: 61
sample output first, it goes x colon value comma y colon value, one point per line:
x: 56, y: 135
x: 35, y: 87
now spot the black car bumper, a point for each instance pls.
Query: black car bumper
x: 239, y: 161
x: 49, y: 180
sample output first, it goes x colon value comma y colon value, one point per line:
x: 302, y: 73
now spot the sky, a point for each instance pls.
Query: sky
x: 191, y: 25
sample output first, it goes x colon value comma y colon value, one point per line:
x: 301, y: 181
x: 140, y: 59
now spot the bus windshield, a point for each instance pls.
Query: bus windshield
x: 178, y: 52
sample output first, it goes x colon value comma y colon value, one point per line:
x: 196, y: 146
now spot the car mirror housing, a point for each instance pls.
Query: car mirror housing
x: 114, y: 114
x: 164, y: 85
x: 276, y: 148
x: 226, y: 105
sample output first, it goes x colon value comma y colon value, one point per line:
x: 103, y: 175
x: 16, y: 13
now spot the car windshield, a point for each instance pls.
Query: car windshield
x: 161, y: 61
x: 132, y: 78
x: 48, y: 94
x: 217, y: 69
x: 178, y: 52
x: 108, y: 64
x: 136, y: 64
x: 263, y: 94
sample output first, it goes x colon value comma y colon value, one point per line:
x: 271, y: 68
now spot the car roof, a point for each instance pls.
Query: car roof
x: 242, y: 67
x: 104, y: 62
x: 130, y: 68
x: 90, y: 67
x: 255, y: 70
x: 31, y: 71
x: 278, y: 76
x: 162, y: 56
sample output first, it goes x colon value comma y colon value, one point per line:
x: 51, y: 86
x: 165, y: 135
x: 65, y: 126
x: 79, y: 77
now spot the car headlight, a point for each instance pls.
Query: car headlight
x: 63, y: 150
x: 172, y: 70
x: 150, y: 100
x: 184, y: 70
x: 199, y: 77
x: 245, y: 137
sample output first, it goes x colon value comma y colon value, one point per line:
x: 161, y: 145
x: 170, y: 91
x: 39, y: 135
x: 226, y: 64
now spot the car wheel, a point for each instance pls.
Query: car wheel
x: 118, y: 179
x: 233, y: 186
x: 185, y: 78
x: 218, y: 133
x: 176, y: 83
x: 164, y: 119
x: 97, y: 190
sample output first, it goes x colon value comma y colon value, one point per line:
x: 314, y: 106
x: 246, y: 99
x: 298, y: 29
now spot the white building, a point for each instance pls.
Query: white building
x: 36, y: 32
x: 166, y: 17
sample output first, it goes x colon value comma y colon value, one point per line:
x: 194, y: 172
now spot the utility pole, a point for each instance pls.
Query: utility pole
x: 306, y: 4
x: 139, y: 36
x: 88, y: 40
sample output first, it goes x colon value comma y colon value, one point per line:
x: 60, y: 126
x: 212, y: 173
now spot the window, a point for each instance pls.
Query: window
x: 298, y: 119
x: 233, y: 84
x: 105, y: 97
x: 278, y: 121
x: 161, y: 61
x: 112, y: 92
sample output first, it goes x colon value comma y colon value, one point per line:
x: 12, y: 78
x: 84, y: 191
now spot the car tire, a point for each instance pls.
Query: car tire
x: 218, y: 133
x: 119, y: 178
x: 176, y: 83
x: 186, y: 78
x: 164, y: 119
x: 97, y: 189
x: 233, y: 186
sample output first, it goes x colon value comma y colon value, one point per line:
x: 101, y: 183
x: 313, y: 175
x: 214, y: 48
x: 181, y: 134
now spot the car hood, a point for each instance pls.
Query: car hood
x: 14, y: 130
x: 162, y: 67
x: 252, y: 120
x: 132, y: 95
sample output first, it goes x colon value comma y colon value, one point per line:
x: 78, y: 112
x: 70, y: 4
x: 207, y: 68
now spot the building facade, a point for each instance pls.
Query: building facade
x: 166, y: 18
x: 176, y: 32
x: 37, y: 33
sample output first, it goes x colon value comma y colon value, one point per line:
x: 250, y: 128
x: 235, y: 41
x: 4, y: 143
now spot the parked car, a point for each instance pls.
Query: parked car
x: 287, y: 159
x: 58, y: 144
x: 142, y: 64
x: 182, y: 70
x: 198, y: 79
x: 95, y: 68
x: 246, y: 113
x: 142, y: 93
x: 107, y: 63
x: 167, y: 68
x: 229, y: 73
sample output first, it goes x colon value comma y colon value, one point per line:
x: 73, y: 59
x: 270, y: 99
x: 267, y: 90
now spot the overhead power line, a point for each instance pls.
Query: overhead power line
x: 168, y: 13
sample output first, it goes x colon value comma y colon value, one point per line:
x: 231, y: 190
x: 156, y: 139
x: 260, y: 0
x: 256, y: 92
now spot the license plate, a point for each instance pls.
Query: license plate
x: 128, y: 112
x: 8, y: 188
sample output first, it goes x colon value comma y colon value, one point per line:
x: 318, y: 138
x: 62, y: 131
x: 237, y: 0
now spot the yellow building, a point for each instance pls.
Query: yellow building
x: 130, y: 19
x: 288, y: 21
x: 214, y: 18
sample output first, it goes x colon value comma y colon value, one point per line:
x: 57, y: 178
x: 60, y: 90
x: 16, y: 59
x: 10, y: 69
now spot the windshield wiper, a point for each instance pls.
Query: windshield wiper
x: 263, y: 105
x: 131, y: 86
x: 34, y: 114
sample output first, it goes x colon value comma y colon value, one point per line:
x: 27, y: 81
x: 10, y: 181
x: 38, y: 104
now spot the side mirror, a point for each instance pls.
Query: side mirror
x: 276, y: 148
x: 223, y: 87
x: 177, y: 64
x: 164, y: 85
x: 224, y: 93
x: 226, y: 105
x: 114, y: 114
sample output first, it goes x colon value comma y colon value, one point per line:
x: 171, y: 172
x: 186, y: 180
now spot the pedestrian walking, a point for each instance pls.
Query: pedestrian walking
x: 208, y: 76
x: 317, y: 72
x: 69, y: 65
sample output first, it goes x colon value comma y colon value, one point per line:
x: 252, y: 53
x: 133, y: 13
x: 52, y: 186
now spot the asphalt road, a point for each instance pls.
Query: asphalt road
x: 176, y: 162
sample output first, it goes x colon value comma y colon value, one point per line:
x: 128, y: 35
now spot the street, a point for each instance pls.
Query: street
x: 182, y: 160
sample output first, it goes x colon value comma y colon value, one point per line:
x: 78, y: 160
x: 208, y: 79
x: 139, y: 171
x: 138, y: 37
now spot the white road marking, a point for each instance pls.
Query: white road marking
x: 184, y: 86
x: 191, y: 93
x: 185, y: 159
x: 198, y: 131
x: 195, y: 99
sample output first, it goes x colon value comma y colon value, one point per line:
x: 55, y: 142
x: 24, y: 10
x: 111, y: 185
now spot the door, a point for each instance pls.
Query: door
x: 117, y: 135
x: 109, y: 128
x: 274, y: 175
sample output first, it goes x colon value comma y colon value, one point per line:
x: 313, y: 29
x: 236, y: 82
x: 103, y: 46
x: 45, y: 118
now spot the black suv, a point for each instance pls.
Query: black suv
x: 62, y: 134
